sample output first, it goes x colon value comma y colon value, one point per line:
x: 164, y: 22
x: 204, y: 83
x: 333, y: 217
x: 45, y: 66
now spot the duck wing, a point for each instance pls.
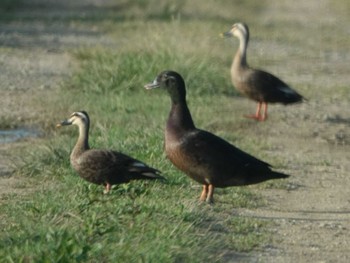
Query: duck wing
x: 209, y: 148
x: 102, y: 166
x: 208, y: 158
x: 268, y: 88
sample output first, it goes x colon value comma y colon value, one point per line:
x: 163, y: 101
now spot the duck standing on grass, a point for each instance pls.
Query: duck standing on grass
x: 105, y: 167
x: 257, y: 85
x: 203, y: 156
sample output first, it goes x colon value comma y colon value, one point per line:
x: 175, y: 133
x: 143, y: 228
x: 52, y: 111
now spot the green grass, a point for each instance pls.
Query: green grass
x: 65, y: 219
x: 69, y: 220
x: 104, y: 71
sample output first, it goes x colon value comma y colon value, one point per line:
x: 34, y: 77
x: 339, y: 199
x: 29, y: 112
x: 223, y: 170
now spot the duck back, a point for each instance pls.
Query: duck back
x: 208, y: 159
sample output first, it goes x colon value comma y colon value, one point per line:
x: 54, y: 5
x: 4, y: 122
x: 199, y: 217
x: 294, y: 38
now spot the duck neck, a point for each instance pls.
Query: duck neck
x: 82, y: 143
x: 180, y: 119
x: 240, y: 58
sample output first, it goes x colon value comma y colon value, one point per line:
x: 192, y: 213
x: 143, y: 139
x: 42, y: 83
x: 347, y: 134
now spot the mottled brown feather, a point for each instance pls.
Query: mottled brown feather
x: 258, y: 85
x: 104, y: 167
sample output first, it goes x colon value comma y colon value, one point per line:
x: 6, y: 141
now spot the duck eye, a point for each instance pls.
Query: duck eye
x: 170, y: 79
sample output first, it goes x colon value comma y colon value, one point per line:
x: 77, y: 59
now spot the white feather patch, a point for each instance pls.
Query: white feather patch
x: 138, y: 164
x: 135, y: 167
x: 287, y: 90
x: 149, y: 174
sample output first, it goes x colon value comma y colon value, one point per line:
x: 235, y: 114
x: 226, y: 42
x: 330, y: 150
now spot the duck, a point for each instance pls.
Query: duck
x: 258, y: 85
x: 102, y: 166
x: 206, y: 158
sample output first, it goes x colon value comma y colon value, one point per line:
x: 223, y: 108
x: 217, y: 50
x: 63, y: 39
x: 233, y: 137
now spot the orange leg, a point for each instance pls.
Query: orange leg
x: 107, y: 188
x: 264, y: 116
x: 210, y: 198
x: 255, y: 116
x: 204, y: 193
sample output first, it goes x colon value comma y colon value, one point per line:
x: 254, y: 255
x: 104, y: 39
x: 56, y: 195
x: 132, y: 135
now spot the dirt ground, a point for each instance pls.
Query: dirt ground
x: 311, y: 218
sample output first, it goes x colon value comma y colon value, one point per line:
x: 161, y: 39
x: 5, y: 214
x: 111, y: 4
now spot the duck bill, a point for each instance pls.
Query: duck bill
x: 152, y: 85
x: 64, y: 123
x: 226, y: 34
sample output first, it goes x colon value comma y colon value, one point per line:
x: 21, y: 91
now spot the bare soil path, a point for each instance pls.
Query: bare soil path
x: 34, y: 60
x: 311, y: 218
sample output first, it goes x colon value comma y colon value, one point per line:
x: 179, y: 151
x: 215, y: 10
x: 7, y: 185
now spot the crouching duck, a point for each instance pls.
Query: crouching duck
x: 203, y: 156
x: 257, y: 85
x: 105, y: 167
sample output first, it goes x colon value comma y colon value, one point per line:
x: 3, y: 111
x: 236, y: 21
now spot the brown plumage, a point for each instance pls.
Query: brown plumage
x: 203, y: 156
x: 105, y: 167
x: 257, y: 85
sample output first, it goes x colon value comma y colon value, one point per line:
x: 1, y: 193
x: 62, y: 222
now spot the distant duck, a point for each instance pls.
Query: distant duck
x: 257, y: 85
x: 103, y: 167
x: 203, y: 156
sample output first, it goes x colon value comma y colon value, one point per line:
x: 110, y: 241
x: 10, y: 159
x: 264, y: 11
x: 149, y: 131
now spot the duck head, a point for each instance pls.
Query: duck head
x: 172, y: 82
x: 79, y: 118
x: 239, y: 30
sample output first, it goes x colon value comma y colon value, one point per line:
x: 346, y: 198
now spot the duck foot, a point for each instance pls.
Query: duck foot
x: 257, y: 116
